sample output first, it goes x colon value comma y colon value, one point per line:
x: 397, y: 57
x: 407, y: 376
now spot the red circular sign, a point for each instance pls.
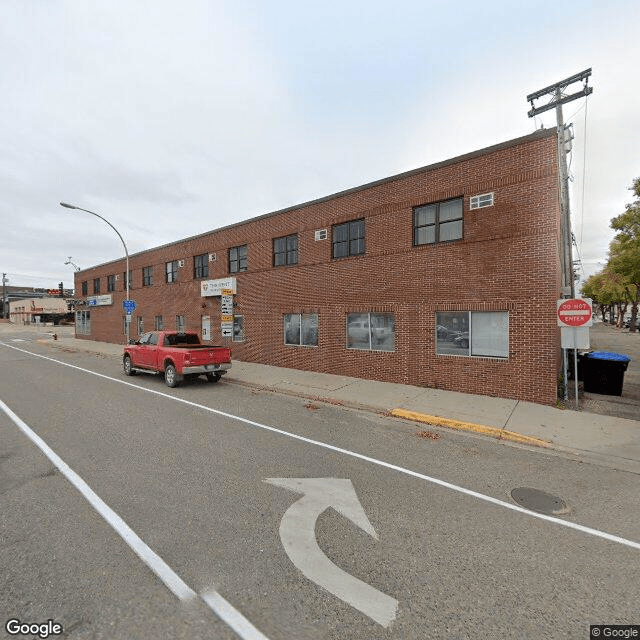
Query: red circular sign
x: 574, y: 312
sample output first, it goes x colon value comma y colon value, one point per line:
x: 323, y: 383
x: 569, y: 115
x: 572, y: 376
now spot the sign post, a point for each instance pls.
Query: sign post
x: 573, y: 314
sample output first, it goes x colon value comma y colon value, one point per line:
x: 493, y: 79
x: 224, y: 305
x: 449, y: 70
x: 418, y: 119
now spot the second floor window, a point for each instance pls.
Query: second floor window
x: 348, y: 239
x: 111, y: 283
x: 96, y: 285
x: 437, y: 222
x: 147, y: 276
x: 172, y: 271
x: 201, y: 266
x: 238, y: 259
x: 124, y: 280
x: 85, y: 288
x: 285, y: 251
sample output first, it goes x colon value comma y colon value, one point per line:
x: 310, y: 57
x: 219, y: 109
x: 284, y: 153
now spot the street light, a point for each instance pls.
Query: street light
x: 126, y: 252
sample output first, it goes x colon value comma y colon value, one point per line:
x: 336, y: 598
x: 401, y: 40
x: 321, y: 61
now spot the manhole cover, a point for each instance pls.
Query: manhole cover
x: 539, y: 501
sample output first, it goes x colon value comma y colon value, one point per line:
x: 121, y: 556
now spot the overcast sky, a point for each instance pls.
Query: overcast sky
x: 175, y: 118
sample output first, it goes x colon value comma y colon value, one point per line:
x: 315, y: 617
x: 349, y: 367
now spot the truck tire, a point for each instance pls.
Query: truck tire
x: 213, y: 377
x: 171, y: 377
x: 128, y: 367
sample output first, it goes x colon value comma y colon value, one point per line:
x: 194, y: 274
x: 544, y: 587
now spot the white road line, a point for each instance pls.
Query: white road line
x: 353, y: 454
x: 223, y: 609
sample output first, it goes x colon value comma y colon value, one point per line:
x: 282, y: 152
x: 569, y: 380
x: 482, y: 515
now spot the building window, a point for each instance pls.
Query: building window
x: 83, y: 323
x: 140, y: 325
x: 348, y: 239
x: 238, y: 259
x: 238, y: 329
x: 85, y: 288
x: 171, y: 271
x: 96, y: 285
x: 124, y: 280
x: 371, y: 331
x: 473, y: 333
x: 111, y: 283
x: 438, y: 222
x: 479, y: 202
x: 201, y: 266
x: 301, y: 329
x: 147, y: 276
x: 180, y: 324
x: 285, y: 251
x: 159, y: 323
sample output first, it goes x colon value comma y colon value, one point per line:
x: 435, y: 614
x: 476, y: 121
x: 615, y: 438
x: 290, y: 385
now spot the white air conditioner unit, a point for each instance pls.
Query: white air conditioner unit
x: 181, y: 263
x: 117, y: 277
x: 212, y: 257
x: 321, y: 234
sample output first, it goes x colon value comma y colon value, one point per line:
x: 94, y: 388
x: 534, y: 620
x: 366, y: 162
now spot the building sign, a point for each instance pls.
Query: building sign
x: 226, y: 305
x: 216, y: 287
x: 100, y: 301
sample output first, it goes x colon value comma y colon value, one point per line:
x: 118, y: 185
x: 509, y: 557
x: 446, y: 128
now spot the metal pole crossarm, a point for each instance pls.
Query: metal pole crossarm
x: 554, y: 103
x: 583, y: 75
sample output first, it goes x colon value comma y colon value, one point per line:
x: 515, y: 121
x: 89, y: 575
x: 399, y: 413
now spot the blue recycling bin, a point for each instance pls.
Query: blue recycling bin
x: 603, y: 372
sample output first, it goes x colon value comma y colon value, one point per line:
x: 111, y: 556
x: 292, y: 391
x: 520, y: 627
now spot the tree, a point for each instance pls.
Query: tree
x: 624, y: 254
x: 607, y: 289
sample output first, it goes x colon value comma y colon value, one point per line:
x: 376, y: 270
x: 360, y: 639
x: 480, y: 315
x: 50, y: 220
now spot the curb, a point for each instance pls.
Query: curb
x: 493, y: 432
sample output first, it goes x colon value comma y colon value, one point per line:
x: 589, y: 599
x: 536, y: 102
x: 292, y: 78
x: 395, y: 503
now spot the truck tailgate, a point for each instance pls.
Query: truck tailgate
x: 211, y: 355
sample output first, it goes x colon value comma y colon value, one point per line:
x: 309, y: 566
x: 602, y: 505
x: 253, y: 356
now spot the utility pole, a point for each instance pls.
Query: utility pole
x: 557, y: 99
x: 4, y: 295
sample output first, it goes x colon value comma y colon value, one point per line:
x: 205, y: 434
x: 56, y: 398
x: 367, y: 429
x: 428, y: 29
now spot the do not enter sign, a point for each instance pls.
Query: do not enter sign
x: 575, y: 312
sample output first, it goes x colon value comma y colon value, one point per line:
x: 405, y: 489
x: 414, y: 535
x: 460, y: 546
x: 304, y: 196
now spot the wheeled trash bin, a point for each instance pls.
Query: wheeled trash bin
x: 603, y: 372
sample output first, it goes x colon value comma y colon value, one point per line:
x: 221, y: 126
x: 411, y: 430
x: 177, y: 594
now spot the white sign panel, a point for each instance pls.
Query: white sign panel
x: 226, y: 329
x: 206, y: 327
x: 100, y: 301
x: 215, y: 287
x: 574, y: 338
x: 226, y: 305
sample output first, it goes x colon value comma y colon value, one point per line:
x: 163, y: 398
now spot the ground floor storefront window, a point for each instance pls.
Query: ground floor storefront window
x: 473, y: 333
x: 371, y: 331
x: 301, y: 329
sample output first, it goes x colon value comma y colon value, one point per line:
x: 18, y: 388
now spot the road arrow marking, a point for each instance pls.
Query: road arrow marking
x: 298, y: 535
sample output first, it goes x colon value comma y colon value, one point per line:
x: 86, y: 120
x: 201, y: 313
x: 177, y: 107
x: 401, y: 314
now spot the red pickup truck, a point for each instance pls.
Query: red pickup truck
x: 176, y: 355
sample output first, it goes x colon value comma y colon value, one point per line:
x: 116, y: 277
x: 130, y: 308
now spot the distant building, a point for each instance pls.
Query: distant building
x: 446, y: 276
x: 29, y: 310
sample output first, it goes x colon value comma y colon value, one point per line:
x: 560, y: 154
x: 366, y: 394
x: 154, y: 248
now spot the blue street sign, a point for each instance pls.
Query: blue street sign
x: 129, y: 305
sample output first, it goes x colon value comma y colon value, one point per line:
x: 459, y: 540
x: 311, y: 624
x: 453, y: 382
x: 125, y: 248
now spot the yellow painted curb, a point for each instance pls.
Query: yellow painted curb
x: 494, y: 432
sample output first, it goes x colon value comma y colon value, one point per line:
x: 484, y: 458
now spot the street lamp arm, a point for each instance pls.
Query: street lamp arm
x: 97, y: 215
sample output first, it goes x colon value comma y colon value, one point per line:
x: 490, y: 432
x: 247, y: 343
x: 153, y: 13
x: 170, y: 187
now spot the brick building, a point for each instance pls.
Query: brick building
x: 446, y: 276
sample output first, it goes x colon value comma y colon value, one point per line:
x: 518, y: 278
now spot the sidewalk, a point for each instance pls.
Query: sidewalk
x: 603, y: 439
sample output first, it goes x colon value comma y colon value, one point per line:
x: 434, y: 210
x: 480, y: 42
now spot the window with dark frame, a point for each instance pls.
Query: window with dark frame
x: 171, y: 271
x: 159, y: 323
x: 111, y: 283
x: 238, y: 259
x: 85, y: 288
x: 285, y: 251
x: 438, y: 222
x: 348, y: 239
x: 147, y: 276
x: 201, y: 266
x: 96, y: 285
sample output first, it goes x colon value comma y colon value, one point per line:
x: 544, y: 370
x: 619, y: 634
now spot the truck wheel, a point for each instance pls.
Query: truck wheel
x: 171, y: 376
x: 128, y: 368
x: 212, y: 377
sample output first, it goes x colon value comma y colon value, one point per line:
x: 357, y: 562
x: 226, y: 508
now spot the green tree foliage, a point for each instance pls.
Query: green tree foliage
x: 624, y: 253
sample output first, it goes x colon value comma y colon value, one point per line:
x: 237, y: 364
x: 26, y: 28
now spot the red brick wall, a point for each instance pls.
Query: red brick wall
x: 507, y: 260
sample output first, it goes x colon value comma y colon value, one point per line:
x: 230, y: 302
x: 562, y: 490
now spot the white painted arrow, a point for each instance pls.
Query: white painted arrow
x: 298, y: 535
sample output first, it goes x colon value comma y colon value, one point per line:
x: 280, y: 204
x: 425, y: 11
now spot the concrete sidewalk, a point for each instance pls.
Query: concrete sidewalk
x: 604, y: 439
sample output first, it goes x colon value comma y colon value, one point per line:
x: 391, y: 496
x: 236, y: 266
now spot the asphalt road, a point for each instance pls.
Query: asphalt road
x: 186, y: 470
